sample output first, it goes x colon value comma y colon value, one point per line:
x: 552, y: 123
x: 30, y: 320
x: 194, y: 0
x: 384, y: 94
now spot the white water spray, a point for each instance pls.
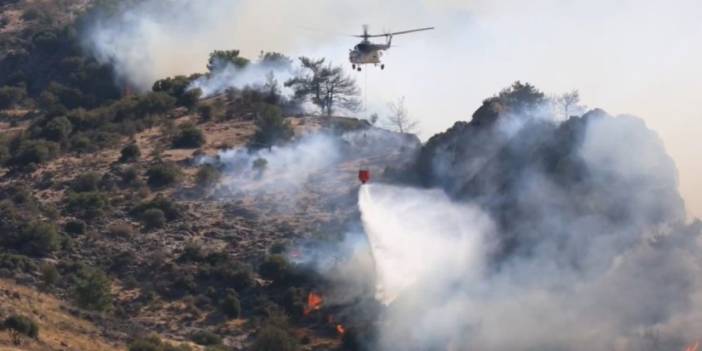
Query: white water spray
x: 417, y: 235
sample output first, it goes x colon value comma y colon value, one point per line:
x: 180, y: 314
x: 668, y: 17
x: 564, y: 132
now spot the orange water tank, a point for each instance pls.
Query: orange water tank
x: 364, y: 176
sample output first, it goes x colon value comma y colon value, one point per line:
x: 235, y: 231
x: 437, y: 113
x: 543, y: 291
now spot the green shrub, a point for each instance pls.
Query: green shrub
x: 17, y: 263
x: 153, y: 218
x: 154, y: 103
x: 177, y: 87
x: 31, y: 14
x: 169, y: 208
x: 92, y: 290
x: 231, y: 306
x: 81, y: 143
x: 4, y: 153
x: 58, y: 129
x: 233, y: 273
x: 207, y: 175
x: 75, y: 227
x: 271, y: 127
x: 259, y: 165
x: 278, y: 248
x: 49, y: 274
x: 19, y: 326
x: 30, y: 152
x: 39, y: 238
x: 130, y: 153
x: 154, y: 343
x: 205, y: 338
x: 190, y: 98
x: 85, y: 183
x: 275, y: 268
x: 88, y: 206
x: 11, y: 96
x: 162, y: 175
x: 219, y: 59
x: 67, y: 96
x: 295, y: 301
x: 206, y: 112
x: 189, y: 137
x: 120, y: 230
x: 192, y: 252
x: 274, y: 338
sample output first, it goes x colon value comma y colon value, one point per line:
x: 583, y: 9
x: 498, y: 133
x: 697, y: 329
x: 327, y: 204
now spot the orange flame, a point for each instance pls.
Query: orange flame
x: 693, y: 347
x: 314, y: 303
x: 340, y: 329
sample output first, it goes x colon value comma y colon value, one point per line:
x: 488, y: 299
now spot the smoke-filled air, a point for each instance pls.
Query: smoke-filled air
x: 387, y: 175
x: 522, y: 229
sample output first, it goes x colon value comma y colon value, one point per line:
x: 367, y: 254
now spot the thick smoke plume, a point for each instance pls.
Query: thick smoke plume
x: 257, y: 75
x: 559, y: 236
x: 278, y: 170
x: 443, y: 234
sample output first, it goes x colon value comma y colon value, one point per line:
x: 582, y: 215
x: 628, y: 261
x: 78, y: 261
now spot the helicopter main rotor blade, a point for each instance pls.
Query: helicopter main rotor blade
x: 394, y: 33
x: 407, y: 31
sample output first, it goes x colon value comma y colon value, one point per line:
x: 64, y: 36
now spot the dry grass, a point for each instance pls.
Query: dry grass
x: 58, y: 330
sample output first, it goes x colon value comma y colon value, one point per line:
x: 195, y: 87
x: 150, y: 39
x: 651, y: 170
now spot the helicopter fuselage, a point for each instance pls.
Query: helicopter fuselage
x: 367, y: 53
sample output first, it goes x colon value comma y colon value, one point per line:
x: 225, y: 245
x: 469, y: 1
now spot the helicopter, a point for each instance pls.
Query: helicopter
x: 366, y: 52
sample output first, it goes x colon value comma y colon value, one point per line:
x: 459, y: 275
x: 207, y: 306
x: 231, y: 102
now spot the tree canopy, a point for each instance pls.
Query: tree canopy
x: 325, y: 85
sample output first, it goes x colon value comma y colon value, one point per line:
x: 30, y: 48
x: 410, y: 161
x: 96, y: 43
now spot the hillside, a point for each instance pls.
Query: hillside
x: 222, y: 211
x: 61, y: 326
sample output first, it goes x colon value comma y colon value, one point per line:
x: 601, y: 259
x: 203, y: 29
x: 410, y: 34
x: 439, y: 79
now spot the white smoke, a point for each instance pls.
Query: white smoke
x: 412, y: 233
x: 280, y: 169
x: 255, y: 75
x: 626, y: 283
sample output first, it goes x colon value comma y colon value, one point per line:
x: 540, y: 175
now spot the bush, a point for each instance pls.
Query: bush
x: 232, y: 273
x: 220, y: 59
x: 205, y: 338
x: 130, y: 153
x: 154, y: 343
x: 275, y: 268
x: 17, y: 263
x: 19, y: 325
x: 49, y: 274
x: 88, y: 205
x: 271, y: 127
x: 92, y: 290
x: 11, y: 96
x: 154, y: 103
x: 75, y: 227
x: 34, y: 152
x: 169, y: 208
x: 278, y: 248
x: 120, y: 230
x: 153, y: 218
x: 189, y: 137
x: 274, y: 338
x: 39, y: 238
x: 81, y: 143
x: 58, y: 129
x: 207, y: 175
x: 231, y: 306
x: 260, y: 165
x: 163, y: 175
x: 177, y: 87
x: 85, y: 183
x: 31, y: 14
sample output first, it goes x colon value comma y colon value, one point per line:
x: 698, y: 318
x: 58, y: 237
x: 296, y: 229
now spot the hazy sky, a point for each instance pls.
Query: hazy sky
x: 635, y: 57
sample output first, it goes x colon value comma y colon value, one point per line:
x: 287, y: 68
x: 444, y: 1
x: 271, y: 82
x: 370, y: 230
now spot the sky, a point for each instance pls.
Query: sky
x: 627, y: 57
